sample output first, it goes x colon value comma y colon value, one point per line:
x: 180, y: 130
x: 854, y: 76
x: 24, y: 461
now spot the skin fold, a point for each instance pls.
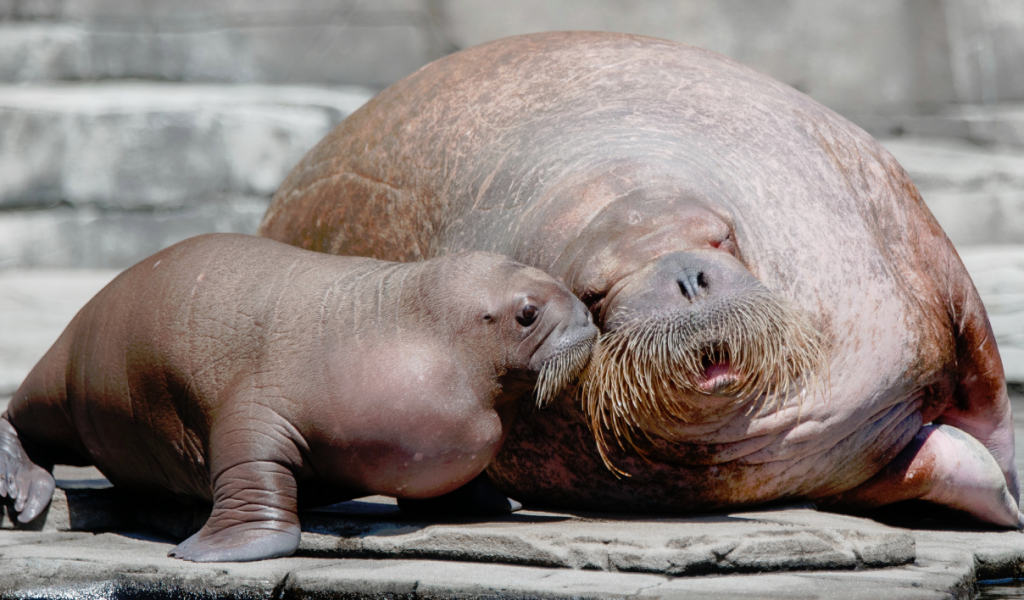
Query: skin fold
x: 631, y: 169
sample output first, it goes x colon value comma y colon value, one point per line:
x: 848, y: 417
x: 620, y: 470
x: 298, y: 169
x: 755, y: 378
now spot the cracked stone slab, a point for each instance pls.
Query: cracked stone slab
x: 71, y: 568
x: 740, y: 542
x: 780, y: 540
x: 74, y: 566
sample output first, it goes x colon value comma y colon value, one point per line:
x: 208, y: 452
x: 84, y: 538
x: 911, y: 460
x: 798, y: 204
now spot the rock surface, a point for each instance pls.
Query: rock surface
x: 40, y: 564
x: 753, y: 542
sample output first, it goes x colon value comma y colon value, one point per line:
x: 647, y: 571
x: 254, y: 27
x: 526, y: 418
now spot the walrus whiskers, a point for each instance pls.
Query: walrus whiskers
x: 560, y: 370
x: 647, y: 374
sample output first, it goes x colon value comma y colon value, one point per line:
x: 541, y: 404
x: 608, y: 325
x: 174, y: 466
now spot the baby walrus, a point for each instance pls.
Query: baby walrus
x: 249, y: 373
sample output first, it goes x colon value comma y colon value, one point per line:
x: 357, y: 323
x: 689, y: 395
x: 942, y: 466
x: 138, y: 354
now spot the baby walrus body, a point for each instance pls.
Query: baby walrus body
x: 250, y: 374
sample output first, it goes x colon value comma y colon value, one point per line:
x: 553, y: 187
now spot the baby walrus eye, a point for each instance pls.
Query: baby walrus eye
x: 527, y: 315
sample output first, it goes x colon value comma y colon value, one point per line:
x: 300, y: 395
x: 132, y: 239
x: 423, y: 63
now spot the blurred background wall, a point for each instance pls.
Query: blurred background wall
x: 128, y: 125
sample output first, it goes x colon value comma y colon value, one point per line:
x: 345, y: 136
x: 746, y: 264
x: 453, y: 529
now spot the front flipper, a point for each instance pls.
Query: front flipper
x: 254, y: 517
x: 943, y: 465
x: 26, y: 483
x: 254, y: 454
x: 479, y: 497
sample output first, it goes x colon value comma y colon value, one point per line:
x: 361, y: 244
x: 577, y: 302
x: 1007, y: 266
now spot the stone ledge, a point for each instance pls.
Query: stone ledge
x: 78, y: 565
x: 153, y: 145
x: 999, y: 124
x: 344, y: 41
x: 65, y: 237
x: 40, y: 564
x: 752, y: 542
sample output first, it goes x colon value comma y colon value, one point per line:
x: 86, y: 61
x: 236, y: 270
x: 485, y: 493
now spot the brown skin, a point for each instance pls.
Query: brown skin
x: 597, y: 157
x: 248, y: 373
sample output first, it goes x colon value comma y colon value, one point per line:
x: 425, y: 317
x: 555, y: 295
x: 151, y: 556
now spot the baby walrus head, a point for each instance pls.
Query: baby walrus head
x: 538, y: 333
x: 691, y: 337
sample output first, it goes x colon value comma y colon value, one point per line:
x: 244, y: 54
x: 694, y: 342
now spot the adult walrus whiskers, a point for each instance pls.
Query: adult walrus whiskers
x: 651, y: 373
x: 559, y: 371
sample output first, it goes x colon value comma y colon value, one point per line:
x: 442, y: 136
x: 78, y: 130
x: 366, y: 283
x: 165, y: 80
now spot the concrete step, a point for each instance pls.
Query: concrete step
x: 996, y: 124
x: 321, y: 41
x: 132, y: 167
x: 89, y: 237
x: 133, y: 145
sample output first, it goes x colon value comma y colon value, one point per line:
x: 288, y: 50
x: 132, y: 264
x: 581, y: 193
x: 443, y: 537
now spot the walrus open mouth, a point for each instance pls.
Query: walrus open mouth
x: 652, y: 373
x: 561, y: 369
x: 718, y: 374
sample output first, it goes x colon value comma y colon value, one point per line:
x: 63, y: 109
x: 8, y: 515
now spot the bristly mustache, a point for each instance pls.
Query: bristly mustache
x: 646, y: 375
x: 560, y: 370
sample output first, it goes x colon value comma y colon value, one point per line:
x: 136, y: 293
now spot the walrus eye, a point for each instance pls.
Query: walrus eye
x: 527, y: 315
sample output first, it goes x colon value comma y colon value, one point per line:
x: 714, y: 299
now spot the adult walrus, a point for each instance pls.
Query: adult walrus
x: 245, y: 372
x: 783, y: 317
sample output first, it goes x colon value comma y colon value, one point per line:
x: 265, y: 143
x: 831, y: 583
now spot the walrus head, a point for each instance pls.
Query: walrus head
x: 540, y: 334
x: 689, y: 334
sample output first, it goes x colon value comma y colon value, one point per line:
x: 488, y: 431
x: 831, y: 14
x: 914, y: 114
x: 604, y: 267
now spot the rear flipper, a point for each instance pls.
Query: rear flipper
x: 26, y: 483
x: 479, y: 497
x: 943, y: 465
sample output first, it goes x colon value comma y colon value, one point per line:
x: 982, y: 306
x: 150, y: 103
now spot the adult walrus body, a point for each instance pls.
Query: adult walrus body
x: 783, y: 316
x: 248, y: 373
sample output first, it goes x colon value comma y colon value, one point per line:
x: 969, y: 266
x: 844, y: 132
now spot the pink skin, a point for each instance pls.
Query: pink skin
x: 594, y: 156
x: 248, y: 373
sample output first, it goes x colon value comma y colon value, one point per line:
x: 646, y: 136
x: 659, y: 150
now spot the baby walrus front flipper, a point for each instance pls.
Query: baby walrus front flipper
x: 250, y: 374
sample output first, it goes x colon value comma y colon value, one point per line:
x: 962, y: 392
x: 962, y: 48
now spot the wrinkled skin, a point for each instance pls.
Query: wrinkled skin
x: 599, y: 158
x: 247, y: 373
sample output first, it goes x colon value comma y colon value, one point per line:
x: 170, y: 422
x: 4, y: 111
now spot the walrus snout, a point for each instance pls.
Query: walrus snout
x: 575, y: 328
x: 691, y: 338
x: 678, y: 283
x: 565, y: 351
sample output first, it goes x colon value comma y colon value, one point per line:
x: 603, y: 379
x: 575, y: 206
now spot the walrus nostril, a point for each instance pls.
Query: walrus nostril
x: 692, y: 284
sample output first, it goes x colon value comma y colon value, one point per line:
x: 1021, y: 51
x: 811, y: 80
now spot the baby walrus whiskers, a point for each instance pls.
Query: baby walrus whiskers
x: 558, y: 372
x: 653, y: 372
